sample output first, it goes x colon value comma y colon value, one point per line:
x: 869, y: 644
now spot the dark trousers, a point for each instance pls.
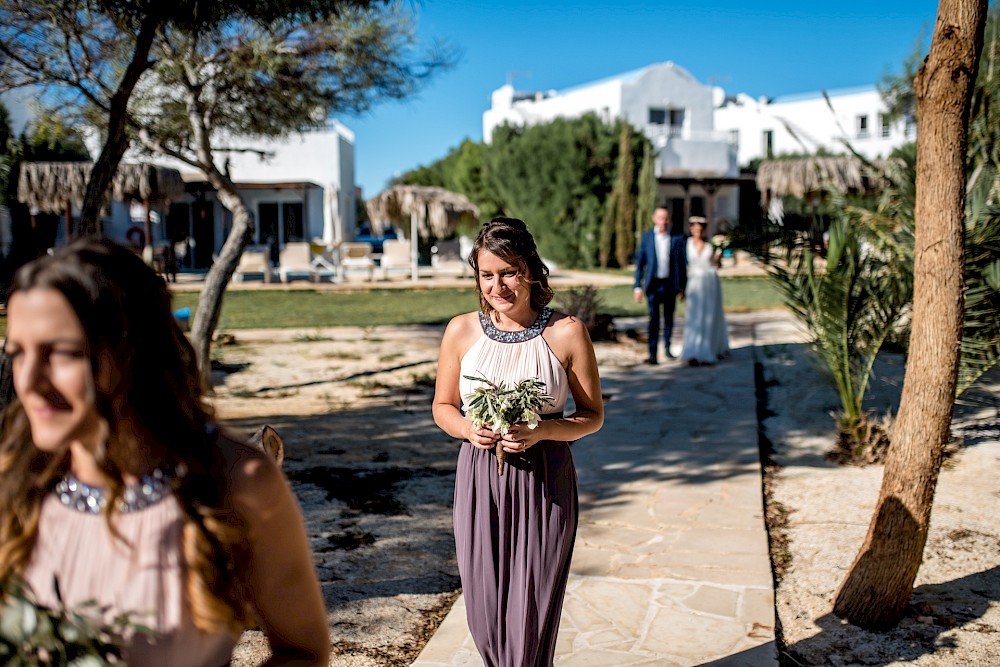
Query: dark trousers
x: 661, y: 298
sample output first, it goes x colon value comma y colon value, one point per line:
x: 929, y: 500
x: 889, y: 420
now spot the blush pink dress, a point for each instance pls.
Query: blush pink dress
x: 144, y: 574
x: 514, y: 533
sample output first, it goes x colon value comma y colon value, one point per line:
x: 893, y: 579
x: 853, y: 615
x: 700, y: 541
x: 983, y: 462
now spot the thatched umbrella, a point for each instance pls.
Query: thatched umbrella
x: 804, y: 176
x: 53, y: 187
x: 432, y: 211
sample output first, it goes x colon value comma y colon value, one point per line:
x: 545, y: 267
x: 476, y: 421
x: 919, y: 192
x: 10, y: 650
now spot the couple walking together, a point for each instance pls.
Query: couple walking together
x: 670, y: 266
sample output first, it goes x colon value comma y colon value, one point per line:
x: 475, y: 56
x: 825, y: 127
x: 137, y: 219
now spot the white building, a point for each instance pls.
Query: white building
x: 696, y: 165
x: 810, y: 122
x: 702, y: 137
x: 303, y: 189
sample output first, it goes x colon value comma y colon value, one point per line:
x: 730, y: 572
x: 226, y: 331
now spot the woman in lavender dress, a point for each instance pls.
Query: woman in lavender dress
x: 514, y: 532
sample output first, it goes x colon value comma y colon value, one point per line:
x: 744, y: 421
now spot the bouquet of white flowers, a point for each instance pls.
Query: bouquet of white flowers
x: 497, y: 407
x: 32, y: 634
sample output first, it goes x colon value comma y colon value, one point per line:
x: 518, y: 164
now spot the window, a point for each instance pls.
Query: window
x: 862, y: 126
x: 676, y: 122
x: 884, y: 123
x: 286, y: 216
x: 267, y: 222
x: 911, y: 126
x: 673, y: 118
x: 767, y: 144
x: 734, y: 137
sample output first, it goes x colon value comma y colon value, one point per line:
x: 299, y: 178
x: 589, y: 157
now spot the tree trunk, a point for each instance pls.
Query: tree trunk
x: 117, y: 141
x: 877, y: 589
x: 607, y: 229
x: 206, y: 317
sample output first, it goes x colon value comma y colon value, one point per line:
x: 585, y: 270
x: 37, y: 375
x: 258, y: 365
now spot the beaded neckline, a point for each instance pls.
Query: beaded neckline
x: 149, y: 490
x: 502, y: 336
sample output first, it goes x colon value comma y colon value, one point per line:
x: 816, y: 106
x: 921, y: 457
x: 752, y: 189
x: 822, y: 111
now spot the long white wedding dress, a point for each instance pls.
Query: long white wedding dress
x: 706, y: 337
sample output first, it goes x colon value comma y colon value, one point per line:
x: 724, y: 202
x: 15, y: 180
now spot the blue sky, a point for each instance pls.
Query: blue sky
x: 765, y: 49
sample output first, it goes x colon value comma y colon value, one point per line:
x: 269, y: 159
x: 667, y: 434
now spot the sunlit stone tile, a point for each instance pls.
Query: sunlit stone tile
x: 621, y: 605
x: 680, y: 632
x: 714, y: 600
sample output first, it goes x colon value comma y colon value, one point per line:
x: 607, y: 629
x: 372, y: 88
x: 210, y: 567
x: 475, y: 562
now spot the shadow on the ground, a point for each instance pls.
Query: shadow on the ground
x: 763, y: 654
x: 934, y: 610
x: 375, y: 485
x: 671, y: 424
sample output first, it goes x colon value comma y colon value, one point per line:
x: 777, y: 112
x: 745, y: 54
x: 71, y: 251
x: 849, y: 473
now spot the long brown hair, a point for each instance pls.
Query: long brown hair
x: 510, y: 240
x: 153, y: 405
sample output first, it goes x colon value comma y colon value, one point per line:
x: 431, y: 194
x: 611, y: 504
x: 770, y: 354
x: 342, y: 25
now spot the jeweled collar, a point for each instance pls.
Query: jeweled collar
x: 149, y: 490
x: 502, y: 336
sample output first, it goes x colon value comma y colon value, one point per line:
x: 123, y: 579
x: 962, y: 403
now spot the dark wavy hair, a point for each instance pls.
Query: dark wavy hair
x: 151, y: 399
x: 510, y: 240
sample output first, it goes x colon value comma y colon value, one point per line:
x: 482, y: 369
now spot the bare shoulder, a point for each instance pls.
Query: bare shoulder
x: 566, y: 332
x: 462, y: 331
x: 465, y: 323
x: 564, y: 324
x: 253, y: 477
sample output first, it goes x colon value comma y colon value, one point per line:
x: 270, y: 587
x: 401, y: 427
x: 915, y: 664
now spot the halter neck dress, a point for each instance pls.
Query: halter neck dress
x: 142, y: 574
x: 514, y: 533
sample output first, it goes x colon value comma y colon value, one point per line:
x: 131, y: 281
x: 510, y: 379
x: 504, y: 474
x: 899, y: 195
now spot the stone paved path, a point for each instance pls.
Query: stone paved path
x: 671, y: 565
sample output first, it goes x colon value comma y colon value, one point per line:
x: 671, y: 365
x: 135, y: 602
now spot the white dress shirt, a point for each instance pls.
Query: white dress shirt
x: 662, y: 254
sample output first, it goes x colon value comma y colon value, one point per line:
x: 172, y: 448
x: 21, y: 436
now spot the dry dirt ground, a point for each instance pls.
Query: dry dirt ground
x: 954, y: 615
x: 372, y: 474
x: 374, y: 477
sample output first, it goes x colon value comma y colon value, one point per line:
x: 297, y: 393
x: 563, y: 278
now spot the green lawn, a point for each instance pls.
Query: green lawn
x: 738, y: 295
x: 265, y: 309
x: 251, y: 309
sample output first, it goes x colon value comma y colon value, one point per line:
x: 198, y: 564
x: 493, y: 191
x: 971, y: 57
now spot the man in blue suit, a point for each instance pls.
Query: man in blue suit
x: 660, y: 273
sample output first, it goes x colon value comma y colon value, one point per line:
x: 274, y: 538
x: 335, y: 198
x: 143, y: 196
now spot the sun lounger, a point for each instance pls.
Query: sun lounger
x: 253, y: 261
x: 354, y: 256
x: 295, y: 259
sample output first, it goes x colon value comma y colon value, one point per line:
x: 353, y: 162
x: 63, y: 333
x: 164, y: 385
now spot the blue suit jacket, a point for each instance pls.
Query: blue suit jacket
x: 645, y: 263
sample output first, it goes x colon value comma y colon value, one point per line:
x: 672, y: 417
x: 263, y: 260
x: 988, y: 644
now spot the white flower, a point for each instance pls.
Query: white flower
x: 531, y: 419
x: 18, y: 620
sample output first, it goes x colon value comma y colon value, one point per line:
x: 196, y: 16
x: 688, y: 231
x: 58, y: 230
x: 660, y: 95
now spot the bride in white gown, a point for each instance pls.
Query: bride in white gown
x: 706, y: 338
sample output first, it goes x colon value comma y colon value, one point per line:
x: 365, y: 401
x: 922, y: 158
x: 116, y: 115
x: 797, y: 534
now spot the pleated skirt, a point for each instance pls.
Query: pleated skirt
x: 514, y: 537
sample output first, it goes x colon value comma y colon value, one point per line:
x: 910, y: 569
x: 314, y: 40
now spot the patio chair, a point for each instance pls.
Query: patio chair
x: 325, y: 257
x: 296, y: 259
x: 355, y: 255
x: 395, y: 256
x: 254, y: 260
x: 448, y: 254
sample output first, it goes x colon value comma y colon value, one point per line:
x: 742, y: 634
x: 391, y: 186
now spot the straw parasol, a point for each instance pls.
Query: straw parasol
x: 436, y: 211
x: 53, y: 187
x: 47, y: 186
x: 809, y: 175
x: 432, y: 211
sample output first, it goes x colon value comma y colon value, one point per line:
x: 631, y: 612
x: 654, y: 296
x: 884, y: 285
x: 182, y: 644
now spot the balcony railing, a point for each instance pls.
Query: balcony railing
x: 661, y: 134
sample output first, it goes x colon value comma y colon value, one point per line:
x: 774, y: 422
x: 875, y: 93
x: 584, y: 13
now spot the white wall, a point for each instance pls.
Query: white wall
x: 806, y: 123
x: 323, y: 158
x: 602, y: 98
